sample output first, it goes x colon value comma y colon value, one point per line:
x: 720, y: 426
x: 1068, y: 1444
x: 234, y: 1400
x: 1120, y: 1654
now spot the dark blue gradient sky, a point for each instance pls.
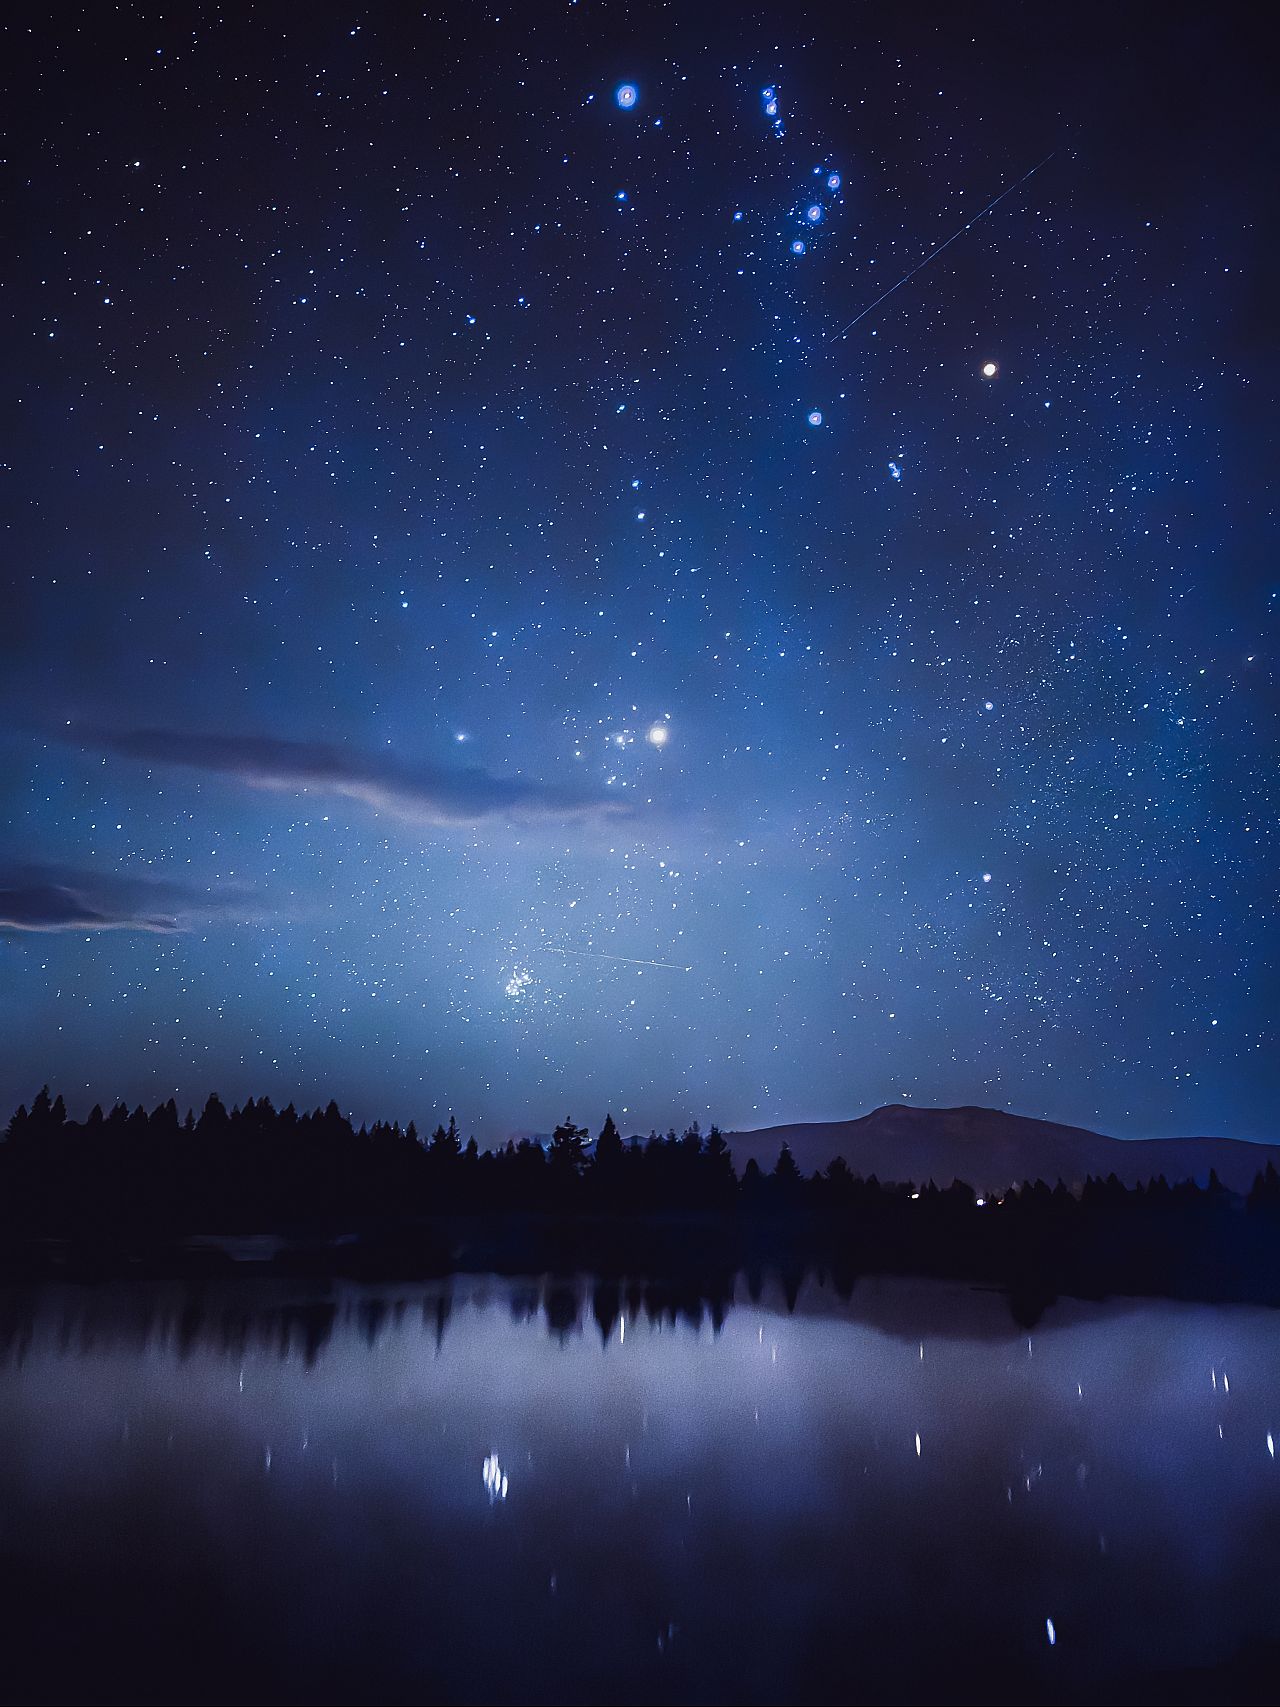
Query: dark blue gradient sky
x: 427, y: 601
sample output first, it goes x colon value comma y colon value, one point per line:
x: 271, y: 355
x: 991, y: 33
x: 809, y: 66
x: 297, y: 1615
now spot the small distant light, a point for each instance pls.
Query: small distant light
x: 626, y: 95
x: 797, y: 248
x: 815, y: 417
x: 1050, y: 1632
x: 986, y: 877
x: 620, y: 196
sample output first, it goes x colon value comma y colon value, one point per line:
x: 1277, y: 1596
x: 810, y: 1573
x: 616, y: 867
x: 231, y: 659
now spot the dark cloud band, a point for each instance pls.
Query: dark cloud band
x: 420, y: 793
x: 64, y: 898
x: 57, y: 907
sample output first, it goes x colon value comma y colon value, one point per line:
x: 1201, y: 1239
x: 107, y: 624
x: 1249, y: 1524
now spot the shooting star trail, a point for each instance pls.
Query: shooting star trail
x: 934, y: 253
x: 599, y: 954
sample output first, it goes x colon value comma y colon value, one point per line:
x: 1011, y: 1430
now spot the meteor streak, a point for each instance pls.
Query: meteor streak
x: 599, y: 954
x: 946, y: 244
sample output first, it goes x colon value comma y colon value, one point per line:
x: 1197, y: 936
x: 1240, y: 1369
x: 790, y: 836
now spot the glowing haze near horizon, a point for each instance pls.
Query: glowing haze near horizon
x: 477, y: 637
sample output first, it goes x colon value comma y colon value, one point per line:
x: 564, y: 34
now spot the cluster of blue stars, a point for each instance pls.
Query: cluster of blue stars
x: 769, y: 100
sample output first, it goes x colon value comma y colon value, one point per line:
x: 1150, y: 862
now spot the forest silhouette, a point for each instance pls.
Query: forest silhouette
x: 129, y: 1190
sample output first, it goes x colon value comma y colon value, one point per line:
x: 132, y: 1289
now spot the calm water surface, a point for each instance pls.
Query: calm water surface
x: 526, y: 1491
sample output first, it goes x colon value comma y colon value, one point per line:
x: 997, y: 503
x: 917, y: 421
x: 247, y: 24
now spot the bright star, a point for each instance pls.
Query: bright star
x: 815, y: 417
x: 813, y: 213
x: 658, y: 735
x: 626, y: 95
x: 989, y: 370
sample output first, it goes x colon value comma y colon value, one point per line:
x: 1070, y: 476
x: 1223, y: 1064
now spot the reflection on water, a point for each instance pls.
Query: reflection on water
x: 552, y: 1491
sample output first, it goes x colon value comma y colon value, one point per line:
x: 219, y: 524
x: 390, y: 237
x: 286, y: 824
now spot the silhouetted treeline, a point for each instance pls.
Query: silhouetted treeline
x: 615, y: 1207
x: 262, y: 1169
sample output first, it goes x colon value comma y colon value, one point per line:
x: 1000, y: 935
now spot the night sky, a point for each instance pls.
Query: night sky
x: 499, y: 616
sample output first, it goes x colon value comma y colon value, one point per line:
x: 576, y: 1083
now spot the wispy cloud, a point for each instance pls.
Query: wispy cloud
x: 418, y: 793
x: 61, y: 898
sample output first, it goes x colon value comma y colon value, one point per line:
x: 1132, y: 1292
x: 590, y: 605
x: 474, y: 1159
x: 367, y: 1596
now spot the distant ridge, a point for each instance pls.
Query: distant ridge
x: 993, y: 1150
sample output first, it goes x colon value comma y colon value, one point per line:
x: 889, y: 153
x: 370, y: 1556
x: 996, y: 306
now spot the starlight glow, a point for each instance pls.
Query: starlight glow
x: 362, y: 623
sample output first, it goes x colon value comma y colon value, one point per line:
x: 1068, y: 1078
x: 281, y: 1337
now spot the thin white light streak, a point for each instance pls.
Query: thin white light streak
x: 599, y: 954
x: 946, y: 244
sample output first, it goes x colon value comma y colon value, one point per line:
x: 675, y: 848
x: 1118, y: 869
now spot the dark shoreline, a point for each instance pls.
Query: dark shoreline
x: 154, y: 1194
x: 1212, y: 1253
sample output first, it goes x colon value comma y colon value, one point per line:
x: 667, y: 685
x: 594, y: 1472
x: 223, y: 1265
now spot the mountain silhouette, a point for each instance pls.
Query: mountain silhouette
x: 992, y: 1150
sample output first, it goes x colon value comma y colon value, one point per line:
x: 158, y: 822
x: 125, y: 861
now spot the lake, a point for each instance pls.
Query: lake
x: 543, y: 1491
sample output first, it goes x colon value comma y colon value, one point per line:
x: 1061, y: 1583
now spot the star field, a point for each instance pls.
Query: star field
x: 485, y: 629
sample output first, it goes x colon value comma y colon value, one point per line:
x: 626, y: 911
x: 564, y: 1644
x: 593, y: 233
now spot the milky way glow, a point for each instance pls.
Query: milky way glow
x: 345, y: 471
